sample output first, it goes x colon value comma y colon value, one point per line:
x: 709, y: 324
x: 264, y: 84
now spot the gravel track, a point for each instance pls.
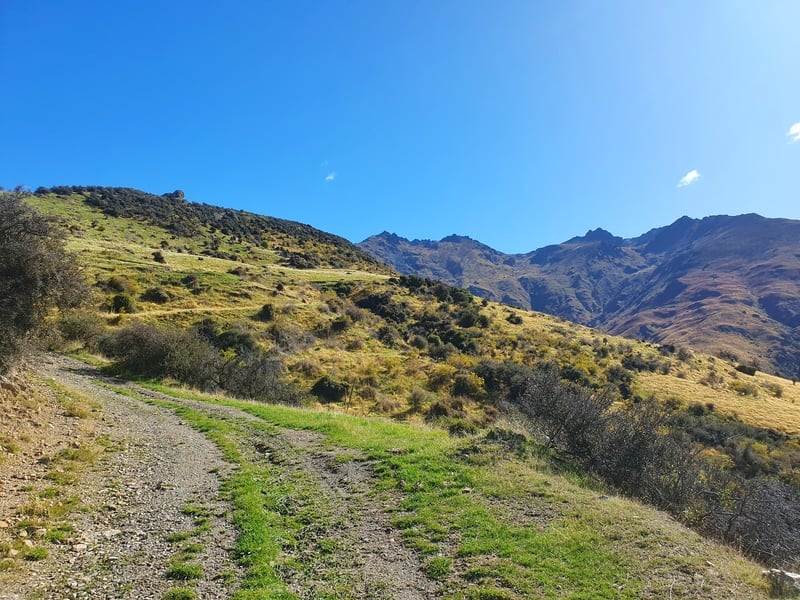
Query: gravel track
x: 159, y: 464
x: 135, y: 498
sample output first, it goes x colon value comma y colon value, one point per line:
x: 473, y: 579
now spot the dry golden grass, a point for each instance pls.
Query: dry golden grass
x: 764, y: 410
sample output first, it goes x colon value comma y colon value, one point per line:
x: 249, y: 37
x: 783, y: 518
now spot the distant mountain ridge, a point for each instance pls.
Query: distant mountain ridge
x: 722, y: 284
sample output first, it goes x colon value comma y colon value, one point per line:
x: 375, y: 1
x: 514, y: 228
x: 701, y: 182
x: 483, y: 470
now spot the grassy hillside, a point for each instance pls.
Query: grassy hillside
x: 357, y: 339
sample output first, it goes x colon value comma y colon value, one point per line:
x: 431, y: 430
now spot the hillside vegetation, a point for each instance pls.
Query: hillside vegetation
x: 222, y: 313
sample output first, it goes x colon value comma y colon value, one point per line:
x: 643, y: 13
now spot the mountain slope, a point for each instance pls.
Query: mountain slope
x: 215, y: 229
x: 722, y: 284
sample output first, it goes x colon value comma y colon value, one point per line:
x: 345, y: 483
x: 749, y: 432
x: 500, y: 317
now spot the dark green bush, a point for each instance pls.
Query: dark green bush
x: 267, y: 313
x: 328, y: 389
x: 447, y: 408
x: 468, y: 385
x: 746, y: 369
x: 123, y: 303
x: 383, y: 304
x: 388, y: 336
x: 37, y: 274
x: 156, y: 295
x: 418, y: 342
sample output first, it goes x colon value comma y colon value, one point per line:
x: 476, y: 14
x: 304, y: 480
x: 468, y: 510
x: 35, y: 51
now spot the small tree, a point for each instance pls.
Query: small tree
x: 36, y: 275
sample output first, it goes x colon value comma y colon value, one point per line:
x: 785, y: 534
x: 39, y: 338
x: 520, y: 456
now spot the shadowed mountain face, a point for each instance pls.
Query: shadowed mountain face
x: 720, y: 284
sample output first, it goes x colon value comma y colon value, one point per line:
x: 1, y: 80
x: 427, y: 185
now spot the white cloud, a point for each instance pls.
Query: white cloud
x: 330, y: 176
x: 689, y: 178
x: 794, y: 132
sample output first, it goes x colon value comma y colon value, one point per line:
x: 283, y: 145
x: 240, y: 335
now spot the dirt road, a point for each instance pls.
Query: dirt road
x: 152, y: 499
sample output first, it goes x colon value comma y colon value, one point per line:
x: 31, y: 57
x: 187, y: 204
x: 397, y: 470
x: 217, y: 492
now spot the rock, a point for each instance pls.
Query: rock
x: 783, y: 582
x: 110, y: 533
x: 4, y: 524
x: 79, y: 547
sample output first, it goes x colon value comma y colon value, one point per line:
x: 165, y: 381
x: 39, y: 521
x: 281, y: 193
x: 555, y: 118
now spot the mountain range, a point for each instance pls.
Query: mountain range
x: 726, y: 285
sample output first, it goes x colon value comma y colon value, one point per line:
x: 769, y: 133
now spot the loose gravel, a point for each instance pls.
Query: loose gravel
x: 157, y: 478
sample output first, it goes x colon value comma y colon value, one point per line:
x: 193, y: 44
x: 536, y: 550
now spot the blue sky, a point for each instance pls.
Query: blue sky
x: 519, y: 124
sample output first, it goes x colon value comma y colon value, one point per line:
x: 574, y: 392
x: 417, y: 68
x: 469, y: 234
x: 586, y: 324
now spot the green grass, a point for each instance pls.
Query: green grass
x: 459, y: 502
x: 439, y: 567
x: 184, y: 571
x: 35, y: 553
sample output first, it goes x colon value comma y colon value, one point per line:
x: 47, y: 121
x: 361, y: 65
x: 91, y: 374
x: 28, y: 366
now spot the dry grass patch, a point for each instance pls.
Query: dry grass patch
x: 765, y: 410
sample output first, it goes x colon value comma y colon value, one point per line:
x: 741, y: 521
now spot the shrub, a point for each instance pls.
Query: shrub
x: 442, y: 351
x: 746, y: 369
x: 385, y: 406
x: 384, y: 305
x: 447, y: 407
x: 468, y: 385
x: 117, y: 283
x: 123, y: 303
x: 267, y: 313
x: 775, y: 389
x: 744, y: 388
x: 418, y: 342
x: 254, y: 375
x: 36, y: 275
x: 388, y: 336
x: 441, y: 377
x: 461, y: 428
x: 328, y: 389
x: 467, y: 318
x: 419, y: 398
x: 156, y: 295
x: 514, y: 319
x: 143, y: 349
x: 236, y: 339
x: 158, y: 256
x: 80, y: 326
x: 502, y: 378
x: 572, y: 417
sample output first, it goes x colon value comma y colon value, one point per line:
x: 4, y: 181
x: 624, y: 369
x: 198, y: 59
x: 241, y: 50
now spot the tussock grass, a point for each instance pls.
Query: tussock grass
x: 764, y: 410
